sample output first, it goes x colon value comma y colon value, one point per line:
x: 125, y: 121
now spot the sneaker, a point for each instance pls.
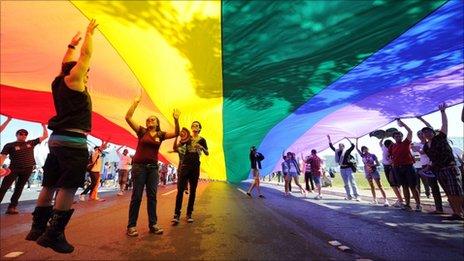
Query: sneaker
x: 374, y: 202
x: 156, y: 230
x: 175, y: 219
x: 348, y: 198
x: 386, y: 203
x: 98, y: 199
x: 418, y: 208
x: 82, y: 197
x: 249, y: 194
x: 398, y: 204
x: 132, y: 232
x: 11, y: 211
x: 357, y: 199
x: 120, y: 193
x: 406, y: 207
x: 189, y: 219
x: 318, y: 197
x: 261, y: 196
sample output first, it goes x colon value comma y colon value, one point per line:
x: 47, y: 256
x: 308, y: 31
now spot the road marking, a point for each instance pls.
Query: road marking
x: 241, y: 190
x: 344, y: 248
x: 169, y: 192
x: 335, y: 243
x: 391, y: 224
x: 13, y: 254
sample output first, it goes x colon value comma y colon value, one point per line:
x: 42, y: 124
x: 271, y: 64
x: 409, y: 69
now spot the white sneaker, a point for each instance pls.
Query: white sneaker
x: 374, y: 202
x: 82, y: 197
x: 318, y: 197
x: 120, y: 193
x: 357, y: 199
x: 386, y: 203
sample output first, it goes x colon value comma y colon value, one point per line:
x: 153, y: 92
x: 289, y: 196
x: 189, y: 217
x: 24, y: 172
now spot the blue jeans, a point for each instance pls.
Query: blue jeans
x: 143, y: 175
x: 348, y: 180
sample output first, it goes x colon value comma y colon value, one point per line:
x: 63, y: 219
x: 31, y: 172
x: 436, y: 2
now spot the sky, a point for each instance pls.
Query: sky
x: 455, y: 131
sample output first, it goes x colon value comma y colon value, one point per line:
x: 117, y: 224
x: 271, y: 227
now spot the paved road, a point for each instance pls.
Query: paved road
x: 228, y: 225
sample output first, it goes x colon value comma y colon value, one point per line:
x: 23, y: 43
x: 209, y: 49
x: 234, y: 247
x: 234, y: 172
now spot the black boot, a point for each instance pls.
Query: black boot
x: 54, y: 234
x: 40, y: 217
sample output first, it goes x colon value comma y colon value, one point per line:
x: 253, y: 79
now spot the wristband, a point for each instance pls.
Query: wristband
x: 71, y: 46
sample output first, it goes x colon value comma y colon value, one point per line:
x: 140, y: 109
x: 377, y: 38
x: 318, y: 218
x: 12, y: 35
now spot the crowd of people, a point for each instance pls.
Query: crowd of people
x: 432, y: 162
x: 69, y: 160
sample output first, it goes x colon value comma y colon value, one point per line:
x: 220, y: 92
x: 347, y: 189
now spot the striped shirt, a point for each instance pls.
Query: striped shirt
x: 21, y: 153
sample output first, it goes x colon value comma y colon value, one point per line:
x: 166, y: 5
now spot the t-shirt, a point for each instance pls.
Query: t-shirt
x: 284, y: 167
x: 315, y: 164
x: 401, y: 153
x: 148, y: 146
x: 124, y: 161
x: 385, y: 156
x: 21, y: 153
x: 440, y: 152
x: 73, y: 108
x: 418, y: 153
x: 293, y: 166
x: 369, y: 162
x: 192, y: 155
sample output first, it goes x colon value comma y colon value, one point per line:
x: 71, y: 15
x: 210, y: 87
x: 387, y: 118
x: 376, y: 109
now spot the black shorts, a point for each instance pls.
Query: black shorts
x: 406, y: 175
x: 391, y: 178
x: 65, y: 167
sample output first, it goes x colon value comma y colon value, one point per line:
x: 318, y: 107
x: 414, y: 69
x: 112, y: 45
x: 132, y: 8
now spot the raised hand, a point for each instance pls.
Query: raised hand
x: 176, y: 114
x: 138, y: 98
x: 442, y: 107
x: 76, y: 39
x: 91, y: 27
x: 400, y: 122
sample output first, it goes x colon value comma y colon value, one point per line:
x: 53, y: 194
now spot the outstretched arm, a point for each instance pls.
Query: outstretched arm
x: 381, y: 142
x: 402, y: 124
x: 348, y: 151
x: 69, y: 55
x: 44, y: 133
x: 175, y: 145
x: 3, y: 126
x: 170, y: 135
x: 424, y: 121
x: 75, y: 80
x: 330, y: 143
x: 130, y: 113
x: 357, y: 148
x: 444, y: 118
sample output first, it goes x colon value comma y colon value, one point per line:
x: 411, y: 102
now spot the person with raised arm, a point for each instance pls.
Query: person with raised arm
x: 255, y: 161
x: 190, y: 171
x: 94, y: 168
x: 388, y: 169
x: 145, y: 166
x: 425, y: 171
x: 403, y: 167
x: 344, y: 159
x: 66, y: 163
x: 443, y: 164
x: 22, y: 162
x: 371, y: 173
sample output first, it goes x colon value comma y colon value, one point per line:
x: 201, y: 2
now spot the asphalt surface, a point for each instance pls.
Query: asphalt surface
x: 230, y: 226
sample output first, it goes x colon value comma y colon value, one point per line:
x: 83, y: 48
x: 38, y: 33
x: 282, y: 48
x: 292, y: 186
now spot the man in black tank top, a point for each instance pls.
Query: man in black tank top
x: 65, y: 166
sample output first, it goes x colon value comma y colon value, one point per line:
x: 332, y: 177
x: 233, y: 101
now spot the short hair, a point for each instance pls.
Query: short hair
x: 313, y: 151
x: 387, y: 143
x: 199, y: 124
x: 67, y: 67
x: 22, y: 131
x: 427, y: 129
x: 397, y: 133
x: 363, y: 148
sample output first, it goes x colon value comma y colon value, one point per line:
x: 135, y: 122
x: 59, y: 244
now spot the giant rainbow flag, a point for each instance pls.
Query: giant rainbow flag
x: 279, y: 75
